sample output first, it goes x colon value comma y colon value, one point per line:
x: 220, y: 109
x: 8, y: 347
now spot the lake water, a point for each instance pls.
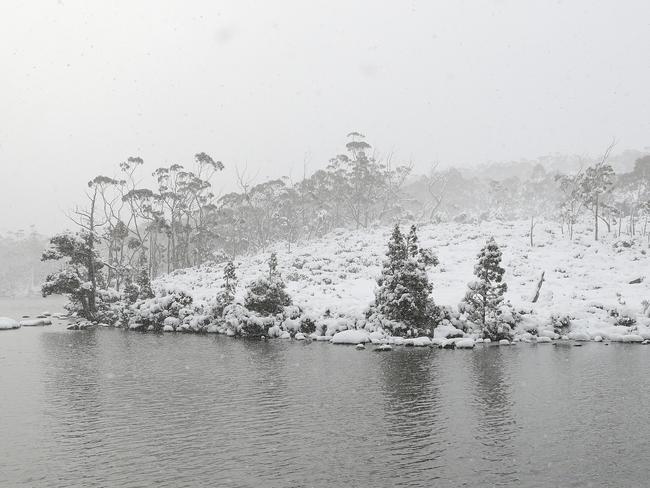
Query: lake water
x: 111, y: 408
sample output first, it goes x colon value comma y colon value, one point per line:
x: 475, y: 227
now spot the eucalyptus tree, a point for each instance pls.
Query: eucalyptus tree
x: 596, y: 182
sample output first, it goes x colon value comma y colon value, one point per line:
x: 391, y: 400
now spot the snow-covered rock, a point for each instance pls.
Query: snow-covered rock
x: 448, y: 344
x: 504, y: 342
x: 550, y: 333
x: 543, y: 340
x: 7, y: 324
x: 173, y: 322
x: 35, y: 322
x: 447, y: 331
x: 299, y: 336
x: 627, y: 338
x: 418, y: 342
x: 353, y: 336
x: 579, y: 336
x: 274, y: 331
x: 378, y: 337
x: 285, y: 335
x: 465, y: 343
x: 360, y: 346
x: 168, y: 328
x: 384, y: 347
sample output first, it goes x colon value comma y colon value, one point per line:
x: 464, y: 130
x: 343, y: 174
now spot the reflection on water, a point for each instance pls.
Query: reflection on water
x: 119, y: 409
x: 496, y: 425
x: 415, y: 432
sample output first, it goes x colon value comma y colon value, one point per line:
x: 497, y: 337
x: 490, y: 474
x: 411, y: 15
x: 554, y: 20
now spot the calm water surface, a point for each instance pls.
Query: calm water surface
x: 109, y: 408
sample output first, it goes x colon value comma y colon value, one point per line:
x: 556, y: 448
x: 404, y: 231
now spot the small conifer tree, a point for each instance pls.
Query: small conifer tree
x: 227, y: 293
x: 484, y: 296
x: 267, y: 294
x: 404, y: 292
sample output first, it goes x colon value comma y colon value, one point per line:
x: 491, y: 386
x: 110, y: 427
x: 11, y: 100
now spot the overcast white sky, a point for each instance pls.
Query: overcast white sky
x: 84, y: 85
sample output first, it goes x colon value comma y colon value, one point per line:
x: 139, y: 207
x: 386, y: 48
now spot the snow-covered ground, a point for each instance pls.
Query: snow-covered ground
x: 585, y: 280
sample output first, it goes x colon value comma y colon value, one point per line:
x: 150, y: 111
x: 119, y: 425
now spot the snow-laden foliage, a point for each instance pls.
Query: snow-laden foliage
x: 155, y: 312
x: 226, y: 295
x: 404, y: 292
x: 79, y: 274
x: 483, y: 302
x: 267, y: 294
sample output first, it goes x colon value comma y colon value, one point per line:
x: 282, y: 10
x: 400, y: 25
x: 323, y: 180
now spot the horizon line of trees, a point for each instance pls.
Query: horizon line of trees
x: 127, y: 230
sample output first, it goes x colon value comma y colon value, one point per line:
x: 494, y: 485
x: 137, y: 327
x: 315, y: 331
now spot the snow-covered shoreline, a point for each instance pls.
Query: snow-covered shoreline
x: 591, y: 290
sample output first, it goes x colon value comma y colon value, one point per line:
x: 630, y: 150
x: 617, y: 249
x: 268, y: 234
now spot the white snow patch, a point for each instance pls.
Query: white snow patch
x: 7, y: 324
x: 466, y: 343
x: 353, y: 336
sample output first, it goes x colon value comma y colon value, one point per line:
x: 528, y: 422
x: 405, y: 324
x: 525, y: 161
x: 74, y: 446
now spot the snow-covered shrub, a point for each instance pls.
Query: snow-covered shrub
x: 560, y: 323
x: 625, y: 320
x: 267, y: 295
x: 130, y: 291
x: 154, y: 311
x: 307, y: 325
x: 109, y: 306
x: 291, y: 312
x: 253, y: 326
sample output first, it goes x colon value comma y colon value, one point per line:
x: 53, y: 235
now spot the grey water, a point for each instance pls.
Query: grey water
x: 123, y: 409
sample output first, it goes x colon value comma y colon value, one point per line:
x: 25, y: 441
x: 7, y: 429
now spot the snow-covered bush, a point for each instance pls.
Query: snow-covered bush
x: 154, y: 311
x: 307, y: 325
x: 110, y: 308
x: 267, y: 295
x: 560, y: 323
x: 131, y: 291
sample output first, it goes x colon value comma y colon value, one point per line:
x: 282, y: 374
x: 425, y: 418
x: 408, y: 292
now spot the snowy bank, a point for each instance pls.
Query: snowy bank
x: 590, y: 289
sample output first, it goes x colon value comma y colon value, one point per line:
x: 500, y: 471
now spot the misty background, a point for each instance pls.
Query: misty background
x: 276, y: 86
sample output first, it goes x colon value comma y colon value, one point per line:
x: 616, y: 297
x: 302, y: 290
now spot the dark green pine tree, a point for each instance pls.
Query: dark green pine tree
x: 484, y: 296
x: 404, y: 291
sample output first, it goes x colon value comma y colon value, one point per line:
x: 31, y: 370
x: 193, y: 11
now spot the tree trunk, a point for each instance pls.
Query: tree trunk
x: 539, y: 287
x: 596, y: 214
x: 532, y: 227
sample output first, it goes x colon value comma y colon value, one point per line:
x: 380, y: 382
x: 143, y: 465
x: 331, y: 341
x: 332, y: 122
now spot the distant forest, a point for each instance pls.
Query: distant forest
x: 21, y: 269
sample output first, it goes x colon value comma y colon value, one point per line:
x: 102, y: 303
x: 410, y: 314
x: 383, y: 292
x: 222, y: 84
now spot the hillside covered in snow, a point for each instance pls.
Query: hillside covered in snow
x: 591, y: 289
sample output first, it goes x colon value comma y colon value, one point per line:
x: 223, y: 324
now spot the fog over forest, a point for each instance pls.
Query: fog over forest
x: 274, y: 87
